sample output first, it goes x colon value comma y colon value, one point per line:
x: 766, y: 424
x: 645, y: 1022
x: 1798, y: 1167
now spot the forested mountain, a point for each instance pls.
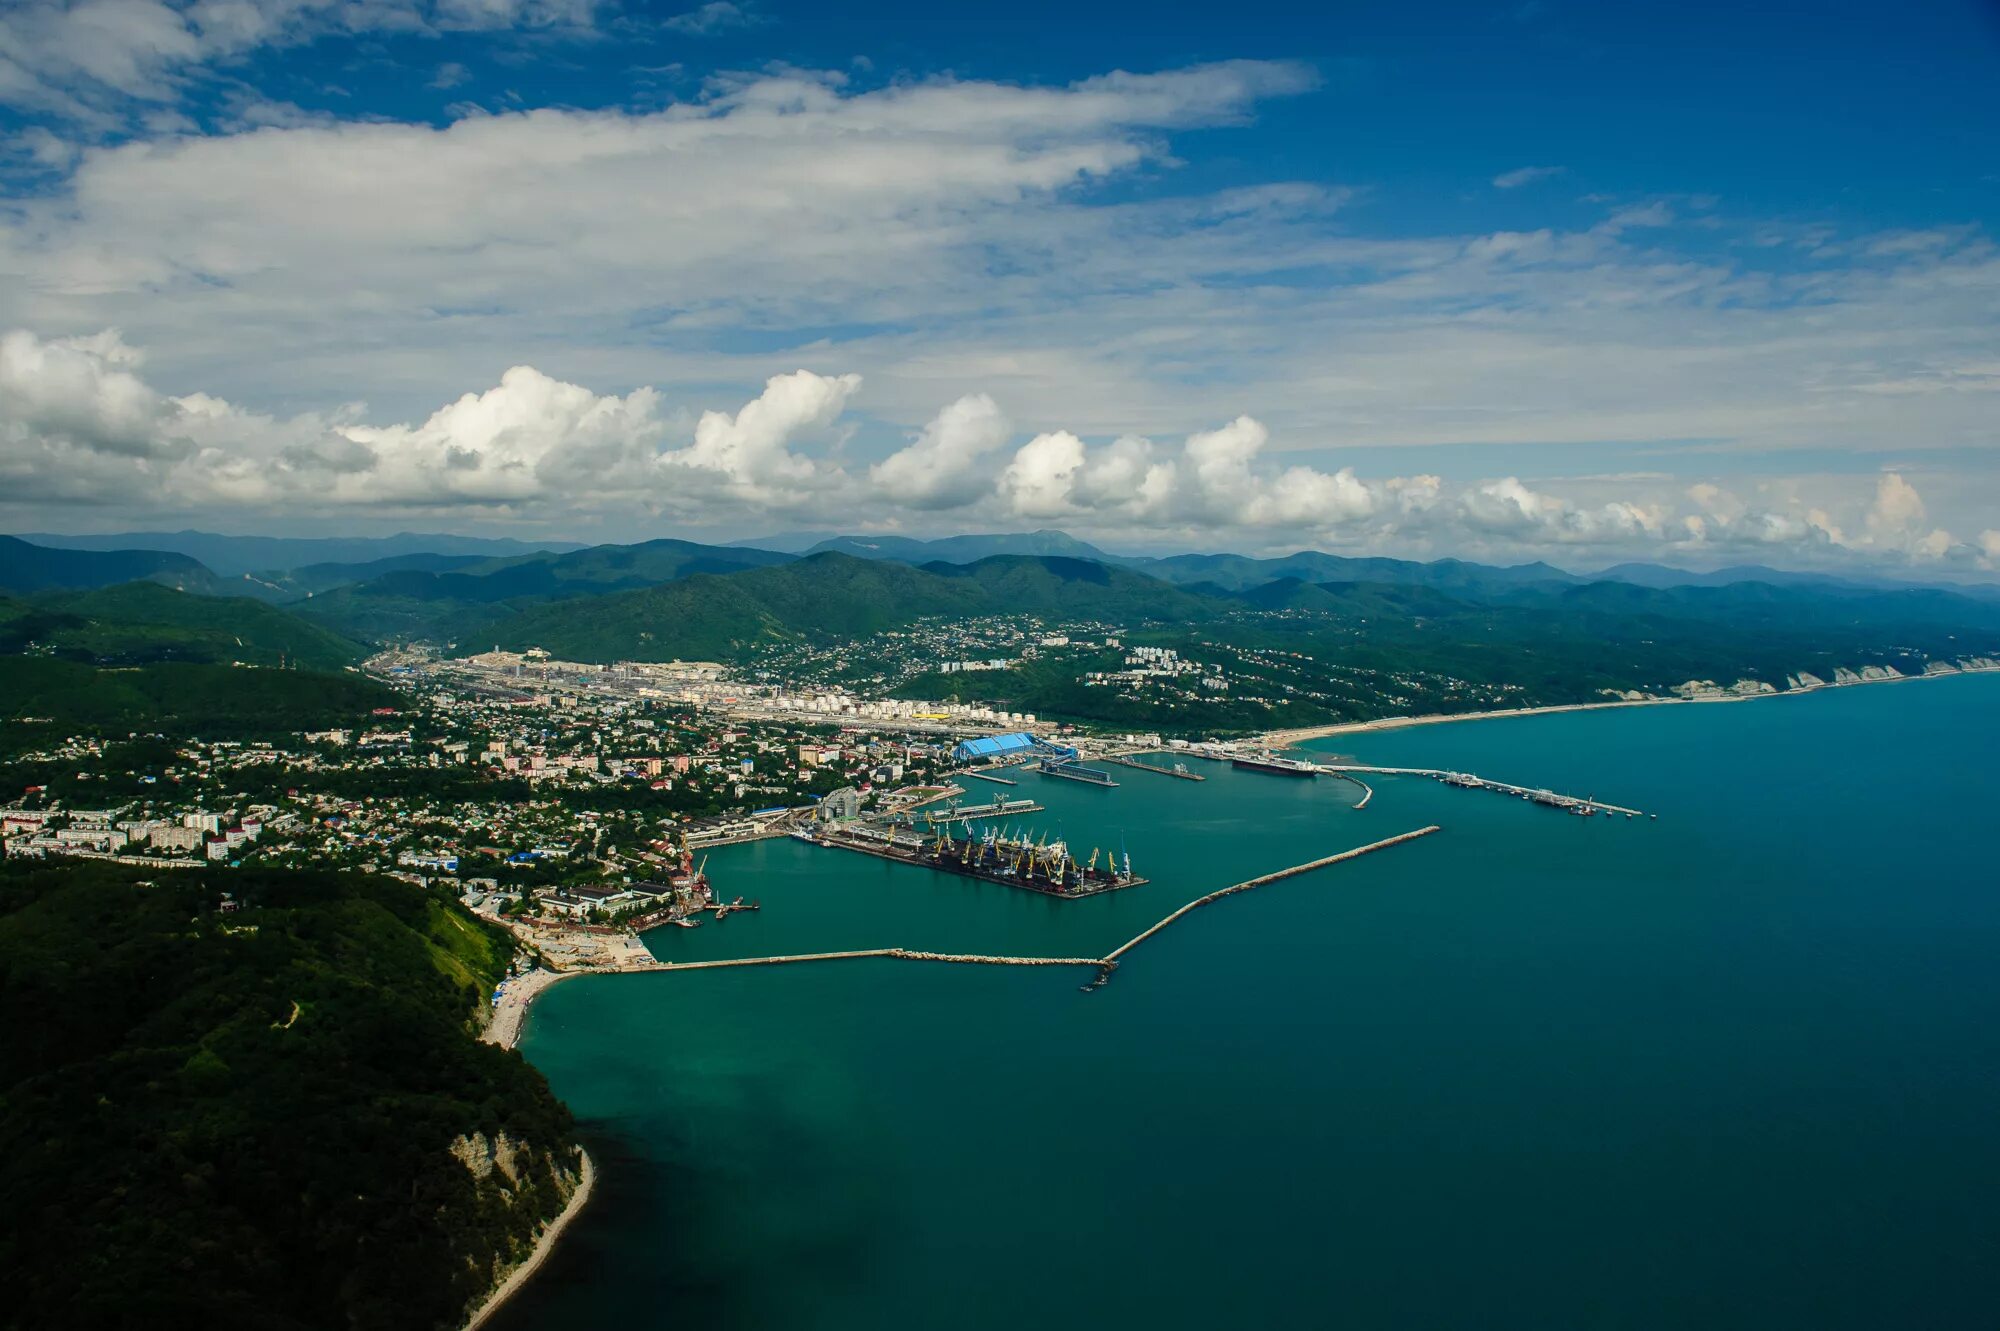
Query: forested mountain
x: 254, y: 1099
x: 963, y: 549
x: 1239, y: 573
x: 457, y: 603
x: 711, y: 617
x: 232, y: 556
x: 28, y: 568
x: 141, y: 622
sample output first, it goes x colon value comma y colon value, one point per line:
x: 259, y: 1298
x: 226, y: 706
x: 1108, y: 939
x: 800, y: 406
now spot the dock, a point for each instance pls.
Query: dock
x: 1071, y: 770
x: 903, y: 852
x: 899, y: 953
x: 965, y: 813
x: 1467, y: 781
x: 1111, y: 958
x: 1148, y: 767
x: 988, y: 776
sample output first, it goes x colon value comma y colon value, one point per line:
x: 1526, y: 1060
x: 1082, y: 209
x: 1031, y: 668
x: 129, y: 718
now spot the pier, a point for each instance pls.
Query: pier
x: 1148, y: 767
x: 1072, y: 770
x: 899, y: 953
x: 885, y: 845
x: 1111, y: 958
x: 988, y: 776
x: 965, y: 813
x: 1467, y: 781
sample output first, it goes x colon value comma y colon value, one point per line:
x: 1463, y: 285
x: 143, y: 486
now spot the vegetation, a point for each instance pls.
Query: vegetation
x: 456, y: 602
x: 45, y: 698
x: 26, y: 568
x: 141, y: 622
x: 248, y: 1118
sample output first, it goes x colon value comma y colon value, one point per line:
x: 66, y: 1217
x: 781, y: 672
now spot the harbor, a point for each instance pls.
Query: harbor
x: 1043, y: 866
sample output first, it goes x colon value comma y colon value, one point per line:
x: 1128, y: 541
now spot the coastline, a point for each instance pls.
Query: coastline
x: 544, y: 1245
x: 1278, y: 739
x: 510, y: 1015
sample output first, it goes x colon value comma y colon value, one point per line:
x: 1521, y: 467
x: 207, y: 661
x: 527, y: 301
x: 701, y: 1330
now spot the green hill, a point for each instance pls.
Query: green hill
x: 458, y: 603
x: 831, y: 595
x: 141, y: 622
x: 174, y: 698
x: 724, y: 617
x: 28, y: 568
x: 276, y: 1117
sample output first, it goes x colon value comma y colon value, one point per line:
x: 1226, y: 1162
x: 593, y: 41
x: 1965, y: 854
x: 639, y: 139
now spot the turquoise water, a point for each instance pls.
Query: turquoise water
x: 1737, y: 1067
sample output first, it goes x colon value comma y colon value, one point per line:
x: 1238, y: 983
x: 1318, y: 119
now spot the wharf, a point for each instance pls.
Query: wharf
x: 1148, y: 767
x: 1467, y: 781
x: 900, y: 953
x: 902, y: 853
x: 988, y: 776
x: 1074, y: 771
x: 965, y: 813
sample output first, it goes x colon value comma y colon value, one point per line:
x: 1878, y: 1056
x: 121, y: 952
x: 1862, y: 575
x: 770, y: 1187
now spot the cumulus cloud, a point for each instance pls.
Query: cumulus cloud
x: 81, y: 425
x: 942, y: 467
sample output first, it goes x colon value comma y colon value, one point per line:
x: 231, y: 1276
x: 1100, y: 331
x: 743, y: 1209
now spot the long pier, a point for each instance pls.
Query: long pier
x: 988, y: 776
x: 899, y: 953
x: 1148, y: 767
x: 1111, y: 958
x: 1467, y: 781
x: 965, y: 813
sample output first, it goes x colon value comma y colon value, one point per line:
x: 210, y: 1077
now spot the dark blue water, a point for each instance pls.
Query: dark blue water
x: 1736, y: 1067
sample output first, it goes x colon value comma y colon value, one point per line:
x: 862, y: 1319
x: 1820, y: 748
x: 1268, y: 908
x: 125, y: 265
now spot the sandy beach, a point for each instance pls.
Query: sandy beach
x: 1278, y: 739
x: 544, y: 1245
x: 512, y: 1011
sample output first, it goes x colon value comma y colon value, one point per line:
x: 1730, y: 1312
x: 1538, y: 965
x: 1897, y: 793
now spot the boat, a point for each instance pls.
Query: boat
x: 1273, y: 765
x: 1071, y: 770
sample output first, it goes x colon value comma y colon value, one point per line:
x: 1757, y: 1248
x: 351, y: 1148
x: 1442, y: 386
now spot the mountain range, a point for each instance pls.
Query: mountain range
x: 667, y: 599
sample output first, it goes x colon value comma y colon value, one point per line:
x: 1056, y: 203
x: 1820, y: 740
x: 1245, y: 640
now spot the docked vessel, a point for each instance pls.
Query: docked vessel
x: 1273, y: 765
x: 1071, y: 770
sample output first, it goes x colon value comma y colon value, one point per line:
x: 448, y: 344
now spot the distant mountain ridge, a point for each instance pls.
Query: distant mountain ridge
x: 27, y: 568
x: 964, y: 549
x: 232, y: 556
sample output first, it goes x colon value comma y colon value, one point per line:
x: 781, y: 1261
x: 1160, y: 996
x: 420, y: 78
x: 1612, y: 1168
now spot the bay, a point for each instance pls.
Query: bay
x: 1735, y: 1066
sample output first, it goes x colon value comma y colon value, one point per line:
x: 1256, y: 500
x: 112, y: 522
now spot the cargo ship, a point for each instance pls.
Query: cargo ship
x: 1273, y: 765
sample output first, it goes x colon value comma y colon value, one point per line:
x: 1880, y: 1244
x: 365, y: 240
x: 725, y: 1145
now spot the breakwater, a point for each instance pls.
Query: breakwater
x: 1111, y: 958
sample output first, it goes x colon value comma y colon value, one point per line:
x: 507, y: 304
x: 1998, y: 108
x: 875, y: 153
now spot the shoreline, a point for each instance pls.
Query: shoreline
x: 510, y: 1016
x: 544, y: 1245
x: 1278, y: 739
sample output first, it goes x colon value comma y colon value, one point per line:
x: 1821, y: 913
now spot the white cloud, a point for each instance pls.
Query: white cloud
x: 941, y: 467
x: 80, y: 425
x: 716, y: 16
x: 80, y: 58
x: 1525, y: 175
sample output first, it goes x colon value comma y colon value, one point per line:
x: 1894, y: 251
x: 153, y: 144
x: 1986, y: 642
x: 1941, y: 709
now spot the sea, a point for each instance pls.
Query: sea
x: 1736, y: 1065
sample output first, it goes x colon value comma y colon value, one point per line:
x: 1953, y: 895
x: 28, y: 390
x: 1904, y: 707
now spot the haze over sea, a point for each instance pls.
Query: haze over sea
x: 1736, y: 1067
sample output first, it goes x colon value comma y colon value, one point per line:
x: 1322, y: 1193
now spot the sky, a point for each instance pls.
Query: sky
x: 1704, y: 284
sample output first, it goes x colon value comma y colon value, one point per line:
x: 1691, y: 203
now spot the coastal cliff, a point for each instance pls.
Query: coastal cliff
x: 259, y: 1099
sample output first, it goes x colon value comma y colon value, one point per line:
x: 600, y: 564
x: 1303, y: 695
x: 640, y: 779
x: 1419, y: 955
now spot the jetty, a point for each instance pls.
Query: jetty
x: 965, y: 813
x: 899, y: 953
x: 1467, y: 781
x: 988, y: 776
x: 1182, y: 773
x: 1111, y: 958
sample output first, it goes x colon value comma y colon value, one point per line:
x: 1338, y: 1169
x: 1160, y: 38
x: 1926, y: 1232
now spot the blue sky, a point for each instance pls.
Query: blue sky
x: 1699, y: 283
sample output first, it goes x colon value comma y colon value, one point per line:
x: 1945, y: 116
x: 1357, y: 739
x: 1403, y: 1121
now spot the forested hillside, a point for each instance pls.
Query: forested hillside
x: 276, y: 1116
